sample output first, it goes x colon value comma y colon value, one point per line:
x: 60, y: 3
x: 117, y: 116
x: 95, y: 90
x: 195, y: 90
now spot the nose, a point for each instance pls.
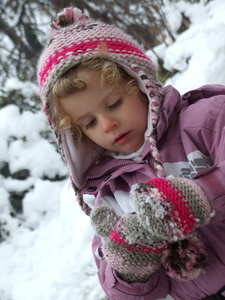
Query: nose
x: 108, y: 123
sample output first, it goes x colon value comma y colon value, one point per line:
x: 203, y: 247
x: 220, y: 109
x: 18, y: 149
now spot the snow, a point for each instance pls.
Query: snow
x: 46, y: 251
x: 198, y: 53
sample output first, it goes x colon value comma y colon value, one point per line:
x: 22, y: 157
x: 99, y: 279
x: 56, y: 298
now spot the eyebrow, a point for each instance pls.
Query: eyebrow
x: 108, y: 96
x: 81, y: 119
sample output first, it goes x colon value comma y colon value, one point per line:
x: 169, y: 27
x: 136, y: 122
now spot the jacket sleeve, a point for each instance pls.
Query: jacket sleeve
x: 157, y: 287
x: 210, y: 137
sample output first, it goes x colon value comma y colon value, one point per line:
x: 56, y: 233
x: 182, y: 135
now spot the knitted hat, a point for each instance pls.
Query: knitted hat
x: 73, y: 39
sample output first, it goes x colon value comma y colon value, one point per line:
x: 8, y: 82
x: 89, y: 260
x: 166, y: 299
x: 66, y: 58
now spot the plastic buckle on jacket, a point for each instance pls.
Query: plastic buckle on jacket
x: 219, y: 293
x: 217, y: 296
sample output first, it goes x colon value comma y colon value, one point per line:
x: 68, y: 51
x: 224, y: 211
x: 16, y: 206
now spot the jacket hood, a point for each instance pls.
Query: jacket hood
x: 73, y: 39
x: 81, y: 158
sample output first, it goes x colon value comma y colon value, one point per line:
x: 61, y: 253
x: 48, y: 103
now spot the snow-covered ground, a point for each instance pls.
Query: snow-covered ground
x: 46, y: 254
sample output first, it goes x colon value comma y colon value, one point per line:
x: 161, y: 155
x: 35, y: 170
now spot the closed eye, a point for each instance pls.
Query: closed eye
x: 91, y: 123
x: 115, y: 104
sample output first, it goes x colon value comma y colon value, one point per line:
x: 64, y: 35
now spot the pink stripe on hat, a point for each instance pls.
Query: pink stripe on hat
x: 85, y: 47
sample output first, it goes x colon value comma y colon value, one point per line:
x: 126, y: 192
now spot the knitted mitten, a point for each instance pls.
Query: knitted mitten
x: 170, y: 210
x: 127, y: 245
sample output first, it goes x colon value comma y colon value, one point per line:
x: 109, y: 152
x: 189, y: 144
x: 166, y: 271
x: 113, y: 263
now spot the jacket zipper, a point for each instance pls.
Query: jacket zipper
x: 112, y: 167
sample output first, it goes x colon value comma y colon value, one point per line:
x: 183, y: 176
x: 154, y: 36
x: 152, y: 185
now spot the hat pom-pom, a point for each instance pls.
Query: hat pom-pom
x: 69, y: 16
x: 186, y: 259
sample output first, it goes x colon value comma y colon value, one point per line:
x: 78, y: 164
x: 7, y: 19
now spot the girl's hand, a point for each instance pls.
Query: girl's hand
x: 158, y: 232
x: 171, y: 209
x: 127, y: 245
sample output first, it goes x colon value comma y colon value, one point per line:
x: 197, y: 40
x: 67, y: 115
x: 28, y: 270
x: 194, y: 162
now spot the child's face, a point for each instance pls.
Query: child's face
x: 113, y: 119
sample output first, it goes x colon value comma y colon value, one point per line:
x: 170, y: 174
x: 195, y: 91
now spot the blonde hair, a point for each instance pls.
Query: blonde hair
x: 111, y: 75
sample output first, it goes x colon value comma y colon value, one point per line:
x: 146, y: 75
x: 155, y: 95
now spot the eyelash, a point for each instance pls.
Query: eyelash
x: 110, y: 107
x: 91, y: 123
x: 115, y: 105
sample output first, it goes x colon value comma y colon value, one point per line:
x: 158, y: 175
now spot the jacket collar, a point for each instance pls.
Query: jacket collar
x: 171, y: 99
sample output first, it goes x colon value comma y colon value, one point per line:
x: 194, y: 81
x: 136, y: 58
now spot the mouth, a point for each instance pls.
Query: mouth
x: 122, y: 138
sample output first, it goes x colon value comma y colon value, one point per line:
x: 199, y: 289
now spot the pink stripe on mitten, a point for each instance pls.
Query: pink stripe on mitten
x: 180, y: 209
x: 116, y: 237
x: 125, y: 246
x: 171, y: 210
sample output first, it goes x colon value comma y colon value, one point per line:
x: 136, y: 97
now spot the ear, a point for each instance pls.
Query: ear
x: 104, y: 220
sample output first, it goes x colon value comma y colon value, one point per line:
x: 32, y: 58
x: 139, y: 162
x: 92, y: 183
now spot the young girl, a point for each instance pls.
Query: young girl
x: 154, y: 161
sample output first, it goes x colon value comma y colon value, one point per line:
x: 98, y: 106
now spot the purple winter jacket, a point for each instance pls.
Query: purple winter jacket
x: 191, y: 141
